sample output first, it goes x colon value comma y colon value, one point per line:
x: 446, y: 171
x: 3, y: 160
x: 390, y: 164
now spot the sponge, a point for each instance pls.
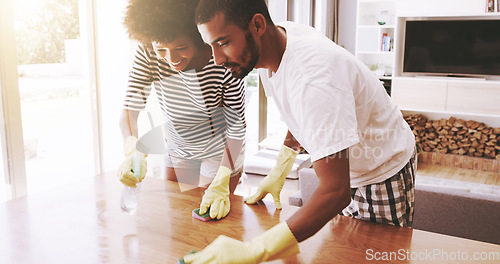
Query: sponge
x: 181, y: 261
x: 204, y: 217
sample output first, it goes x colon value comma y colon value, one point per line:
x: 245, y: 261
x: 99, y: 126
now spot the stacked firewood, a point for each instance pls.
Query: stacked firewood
x: 455, y: 136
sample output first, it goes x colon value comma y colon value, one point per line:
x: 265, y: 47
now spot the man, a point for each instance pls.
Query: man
x: 363, y: 151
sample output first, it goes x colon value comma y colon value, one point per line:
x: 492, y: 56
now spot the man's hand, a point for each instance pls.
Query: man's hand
x: 216, y: 197
x: 274, y: 181
x: 277, y: 242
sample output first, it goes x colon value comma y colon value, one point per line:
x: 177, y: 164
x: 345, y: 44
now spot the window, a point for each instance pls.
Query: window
x: 47, y: 93
x: 54, y: 99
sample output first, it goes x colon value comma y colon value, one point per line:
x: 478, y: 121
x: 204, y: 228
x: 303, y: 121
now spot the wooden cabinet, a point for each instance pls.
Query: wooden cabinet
x: 481, y: 97
x: 424, y: 94
x: 447, y: 95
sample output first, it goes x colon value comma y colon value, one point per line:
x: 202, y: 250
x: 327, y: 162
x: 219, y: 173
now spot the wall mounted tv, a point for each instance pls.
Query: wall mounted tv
x: 452, y: 47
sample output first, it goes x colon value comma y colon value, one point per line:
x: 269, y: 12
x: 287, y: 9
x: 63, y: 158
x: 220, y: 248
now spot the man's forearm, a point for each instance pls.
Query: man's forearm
x: 291, y: 142
x: 313, y: 215
x: 328, y: 200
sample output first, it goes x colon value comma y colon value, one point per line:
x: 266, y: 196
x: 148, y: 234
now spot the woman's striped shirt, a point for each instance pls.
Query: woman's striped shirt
x: 199, y: 108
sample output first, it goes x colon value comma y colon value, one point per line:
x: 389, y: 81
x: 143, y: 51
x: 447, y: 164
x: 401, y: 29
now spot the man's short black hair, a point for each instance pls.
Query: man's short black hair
x: 161, y: 20
x: 239, y: 12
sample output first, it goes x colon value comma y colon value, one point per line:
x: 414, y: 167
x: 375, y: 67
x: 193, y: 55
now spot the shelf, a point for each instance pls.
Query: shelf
x: 370, y: 12
x: 370, y: 48
x: 376, y: 26
x: 385, y: 77
x: 376, y: 52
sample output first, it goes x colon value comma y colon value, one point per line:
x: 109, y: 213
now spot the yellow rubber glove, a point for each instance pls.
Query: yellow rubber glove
x: 216, y: 197
x: 274, y: 181
x: 126, y: 170
x: 277, y: 242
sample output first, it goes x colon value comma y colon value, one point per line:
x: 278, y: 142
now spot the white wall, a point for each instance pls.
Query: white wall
x: 115, y: 55
x: 440, y: 7
x: 347, y: 24
x: 278, y: 10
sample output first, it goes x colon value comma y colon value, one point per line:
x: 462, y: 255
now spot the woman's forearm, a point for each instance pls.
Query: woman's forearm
x: 128, y: 123
x: 232, y: 150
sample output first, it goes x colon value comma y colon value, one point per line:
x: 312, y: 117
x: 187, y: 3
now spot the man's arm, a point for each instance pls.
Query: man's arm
x: 275, y: 179
x: 291, y: 142
x: 331, y: 196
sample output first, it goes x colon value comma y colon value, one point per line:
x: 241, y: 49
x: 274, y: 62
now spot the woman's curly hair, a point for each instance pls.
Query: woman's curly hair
x: 161, y: 20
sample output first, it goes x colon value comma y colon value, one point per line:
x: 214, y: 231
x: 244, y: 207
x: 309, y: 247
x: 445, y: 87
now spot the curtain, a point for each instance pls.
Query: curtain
x: 326, y: 17
x: 320, y: 14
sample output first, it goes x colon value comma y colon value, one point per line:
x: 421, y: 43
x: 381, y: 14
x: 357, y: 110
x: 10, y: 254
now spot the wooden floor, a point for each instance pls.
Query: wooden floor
x: 475, y: 176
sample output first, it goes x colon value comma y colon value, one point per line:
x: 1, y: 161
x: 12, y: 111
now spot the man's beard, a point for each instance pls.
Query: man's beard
x: 251, y: 55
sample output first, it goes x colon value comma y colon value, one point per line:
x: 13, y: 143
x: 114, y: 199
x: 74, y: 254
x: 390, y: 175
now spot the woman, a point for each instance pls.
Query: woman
x: 201, y: 103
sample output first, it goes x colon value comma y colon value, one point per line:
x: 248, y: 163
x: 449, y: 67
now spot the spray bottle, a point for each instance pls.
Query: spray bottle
x: 130, y: 195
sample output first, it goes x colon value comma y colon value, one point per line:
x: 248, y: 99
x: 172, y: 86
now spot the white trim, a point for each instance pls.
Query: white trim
x: 14, y: 147
x: 88, y: 22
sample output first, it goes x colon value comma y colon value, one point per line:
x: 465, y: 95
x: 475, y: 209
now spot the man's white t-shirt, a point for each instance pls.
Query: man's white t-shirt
x: 331, y: 101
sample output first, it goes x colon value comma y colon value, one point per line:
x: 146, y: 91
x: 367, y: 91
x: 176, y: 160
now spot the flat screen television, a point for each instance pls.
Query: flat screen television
x: 452, y: 47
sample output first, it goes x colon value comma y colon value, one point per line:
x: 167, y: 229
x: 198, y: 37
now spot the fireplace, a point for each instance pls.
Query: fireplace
x: 456, y: 142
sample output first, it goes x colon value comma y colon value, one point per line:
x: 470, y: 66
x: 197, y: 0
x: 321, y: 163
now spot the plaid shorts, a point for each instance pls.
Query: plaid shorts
x: 391, y: 201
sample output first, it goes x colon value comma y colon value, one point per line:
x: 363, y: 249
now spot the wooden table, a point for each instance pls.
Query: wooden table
x: 83, y: 223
